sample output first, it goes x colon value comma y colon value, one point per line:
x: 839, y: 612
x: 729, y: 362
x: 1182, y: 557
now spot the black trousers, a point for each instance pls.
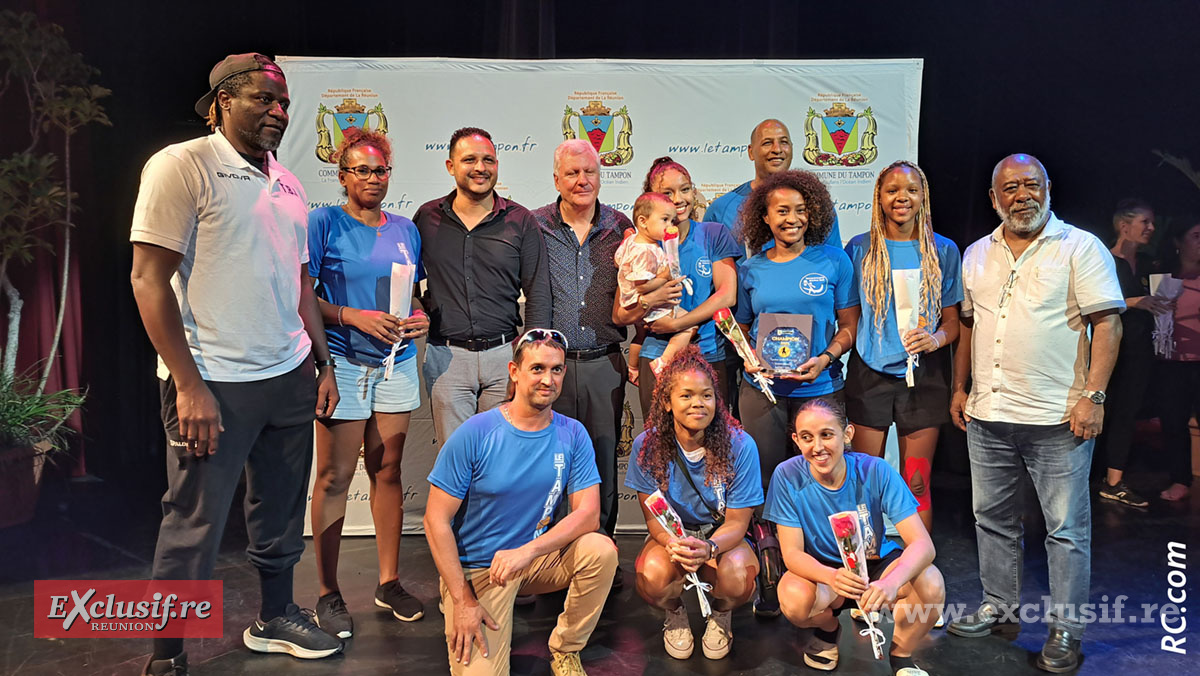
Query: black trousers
x: 1127, y: 391
x: 593, y: 393
x: 1180, y: 382
x: 269, y: 434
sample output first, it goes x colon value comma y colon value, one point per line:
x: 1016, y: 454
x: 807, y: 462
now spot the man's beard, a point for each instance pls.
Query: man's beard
x: 256, y: 139
x: 1026, y: 222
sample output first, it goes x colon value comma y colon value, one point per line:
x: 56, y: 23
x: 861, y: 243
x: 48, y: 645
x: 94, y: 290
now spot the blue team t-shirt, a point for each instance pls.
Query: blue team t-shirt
x: 727, y: 208
x: 872, y: 488
x: 744, y: 491
x: 706, y: 244
x: 818, y: 282
x: 353, y: 263
x: 882, y: 350
x: 510, y: 481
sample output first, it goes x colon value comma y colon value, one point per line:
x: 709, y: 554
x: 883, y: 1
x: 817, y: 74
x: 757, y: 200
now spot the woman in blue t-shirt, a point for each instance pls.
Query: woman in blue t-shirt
x: 901, y: 248
x: 800, y: 276
x: 707, y: 469
x: 352, y: 248
x: 826, y: 479
x: 707, y: 253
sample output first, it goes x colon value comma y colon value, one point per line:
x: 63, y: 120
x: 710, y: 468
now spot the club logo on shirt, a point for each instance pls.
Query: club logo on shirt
x: 814, y: 284
x: 560, y: 463
x: 349, y: 113
x: 236, y: 177
x: 870, y: 542
x: 837, y: 138
x: 704, y: 267
x: 595, y: 122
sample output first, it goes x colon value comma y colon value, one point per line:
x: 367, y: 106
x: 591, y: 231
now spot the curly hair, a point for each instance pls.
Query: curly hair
x: 754, y: 231
x: 877, y: 264
x: 359, y: 138
x: 659, y: 446
x: 661, y: 165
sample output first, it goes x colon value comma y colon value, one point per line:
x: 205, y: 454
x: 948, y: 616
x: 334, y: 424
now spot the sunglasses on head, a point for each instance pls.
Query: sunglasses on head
x: 538, y: 335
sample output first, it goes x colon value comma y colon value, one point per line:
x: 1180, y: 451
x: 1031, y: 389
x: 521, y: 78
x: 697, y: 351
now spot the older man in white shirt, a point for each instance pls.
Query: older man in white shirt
x: 1032, y: 289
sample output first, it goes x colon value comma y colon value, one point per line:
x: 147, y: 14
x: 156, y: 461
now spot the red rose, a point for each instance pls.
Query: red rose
x: 843, y: 527
x: 852, y: 563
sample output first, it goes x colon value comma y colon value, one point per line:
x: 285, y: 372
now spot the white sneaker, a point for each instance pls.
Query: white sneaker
x: 718, y: 635
x: 677, y: 634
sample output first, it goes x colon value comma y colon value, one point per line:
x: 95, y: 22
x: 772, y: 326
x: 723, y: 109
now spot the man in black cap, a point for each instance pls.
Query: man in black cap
x: 220, y: 262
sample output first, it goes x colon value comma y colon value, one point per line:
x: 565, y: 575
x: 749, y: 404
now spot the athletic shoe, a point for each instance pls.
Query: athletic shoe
x: 404, y: 606
x: 821, y: 654
x: 765, y: 608
x: 941, y: 621
x: 176, y: 666
x: 677, y: 634
x: 1122, y: 494
x: 718, y: 635
x: 566, y: 664
x: 293, y: 633
x: 857, y: 615
x: 333, y: 617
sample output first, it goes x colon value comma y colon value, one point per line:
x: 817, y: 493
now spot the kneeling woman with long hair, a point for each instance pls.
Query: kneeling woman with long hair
x: 695, y: 452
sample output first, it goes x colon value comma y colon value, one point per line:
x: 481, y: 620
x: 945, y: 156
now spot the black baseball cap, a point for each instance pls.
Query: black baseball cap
x: 234, y: 64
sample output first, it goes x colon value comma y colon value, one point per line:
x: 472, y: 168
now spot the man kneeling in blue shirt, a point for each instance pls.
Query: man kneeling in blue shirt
x: 494, y: 490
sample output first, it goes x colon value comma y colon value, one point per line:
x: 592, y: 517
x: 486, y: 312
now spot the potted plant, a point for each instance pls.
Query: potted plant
x: 36, y: 208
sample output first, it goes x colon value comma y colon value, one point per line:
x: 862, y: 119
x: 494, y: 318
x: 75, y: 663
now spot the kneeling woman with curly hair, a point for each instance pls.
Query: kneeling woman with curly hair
x: 695, y: 452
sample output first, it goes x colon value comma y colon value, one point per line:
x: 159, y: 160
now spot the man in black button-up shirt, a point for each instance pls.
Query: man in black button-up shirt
x: 582, y: 237
x: 480, y: 252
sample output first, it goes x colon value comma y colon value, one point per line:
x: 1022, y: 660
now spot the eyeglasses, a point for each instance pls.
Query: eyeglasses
x: 1006, y: 290
x: 364, y: 172
x: 538, y: 335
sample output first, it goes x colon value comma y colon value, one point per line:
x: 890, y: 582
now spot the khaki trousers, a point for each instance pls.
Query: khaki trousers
x: 585, y: 568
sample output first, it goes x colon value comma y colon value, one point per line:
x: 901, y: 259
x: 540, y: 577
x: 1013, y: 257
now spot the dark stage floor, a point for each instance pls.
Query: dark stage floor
x: 95, y: 530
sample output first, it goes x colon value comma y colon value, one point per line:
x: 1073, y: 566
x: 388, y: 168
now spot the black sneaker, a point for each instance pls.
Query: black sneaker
x: 293, y: 633
x: 333, y: 617
x: 404, y: 606
x: 176, y: 666
x: 765, y: 608
x: 1122, y: 494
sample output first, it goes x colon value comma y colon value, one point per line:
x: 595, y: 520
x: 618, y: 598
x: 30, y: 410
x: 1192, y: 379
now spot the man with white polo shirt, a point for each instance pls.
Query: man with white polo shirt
x: 1031, y: 291
x: 220, y: 277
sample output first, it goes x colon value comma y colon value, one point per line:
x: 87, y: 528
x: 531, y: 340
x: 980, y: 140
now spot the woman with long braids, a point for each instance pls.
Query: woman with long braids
x: 901, y: 245
x: 695, y: 452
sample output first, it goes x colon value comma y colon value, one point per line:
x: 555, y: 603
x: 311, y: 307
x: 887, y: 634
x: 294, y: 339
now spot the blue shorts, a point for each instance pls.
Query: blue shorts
x: 363, y: 390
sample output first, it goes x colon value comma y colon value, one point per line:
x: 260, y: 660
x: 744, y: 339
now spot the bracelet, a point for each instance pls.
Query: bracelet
x: 322, y: 363
x: 713, y: 549
x: 937, y: 344
x: 340, y: 308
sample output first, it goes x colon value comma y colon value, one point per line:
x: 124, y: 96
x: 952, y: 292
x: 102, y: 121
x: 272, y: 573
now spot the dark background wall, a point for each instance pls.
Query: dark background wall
x: 1089, y: 87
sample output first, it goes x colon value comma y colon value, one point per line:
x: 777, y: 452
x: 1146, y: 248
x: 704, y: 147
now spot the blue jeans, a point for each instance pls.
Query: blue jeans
x: 1058, y: 462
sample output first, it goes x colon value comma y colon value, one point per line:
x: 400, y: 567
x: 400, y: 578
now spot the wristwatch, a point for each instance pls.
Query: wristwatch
x: 713, y: 549
x: 1097, y: 396
x: 322, y: 363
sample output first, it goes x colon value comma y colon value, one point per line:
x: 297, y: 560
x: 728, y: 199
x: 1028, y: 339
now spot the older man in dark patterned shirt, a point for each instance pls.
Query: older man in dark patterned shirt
x: 582, y: 236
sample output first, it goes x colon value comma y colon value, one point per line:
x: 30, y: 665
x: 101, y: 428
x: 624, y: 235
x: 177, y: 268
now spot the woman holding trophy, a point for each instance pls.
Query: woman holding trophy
x: 797, y: 303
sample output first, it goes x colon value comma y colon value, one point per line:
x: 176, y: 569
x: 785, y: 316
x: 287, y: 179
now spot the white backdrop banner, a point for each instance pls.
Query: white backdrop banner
x: 848, y: 119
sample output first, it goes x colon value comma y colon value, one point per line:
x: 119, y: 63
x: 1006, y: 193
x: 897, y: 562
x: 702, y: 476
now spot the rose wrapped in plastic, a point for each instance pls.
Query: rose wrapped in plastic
x: 666, y: 517
x: 725, y: 323
x: 846, y: 531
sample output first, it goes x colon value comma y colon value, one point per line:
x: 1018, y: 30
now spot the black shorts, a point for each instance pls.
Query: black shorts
x: 877, y: 399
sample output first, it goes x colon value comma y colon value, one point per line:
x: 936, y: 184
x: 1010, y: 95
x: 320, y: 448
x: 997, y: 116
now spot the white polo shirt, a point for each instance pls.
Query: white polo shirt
x: 243, y: 236
x: 1030, y: 347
